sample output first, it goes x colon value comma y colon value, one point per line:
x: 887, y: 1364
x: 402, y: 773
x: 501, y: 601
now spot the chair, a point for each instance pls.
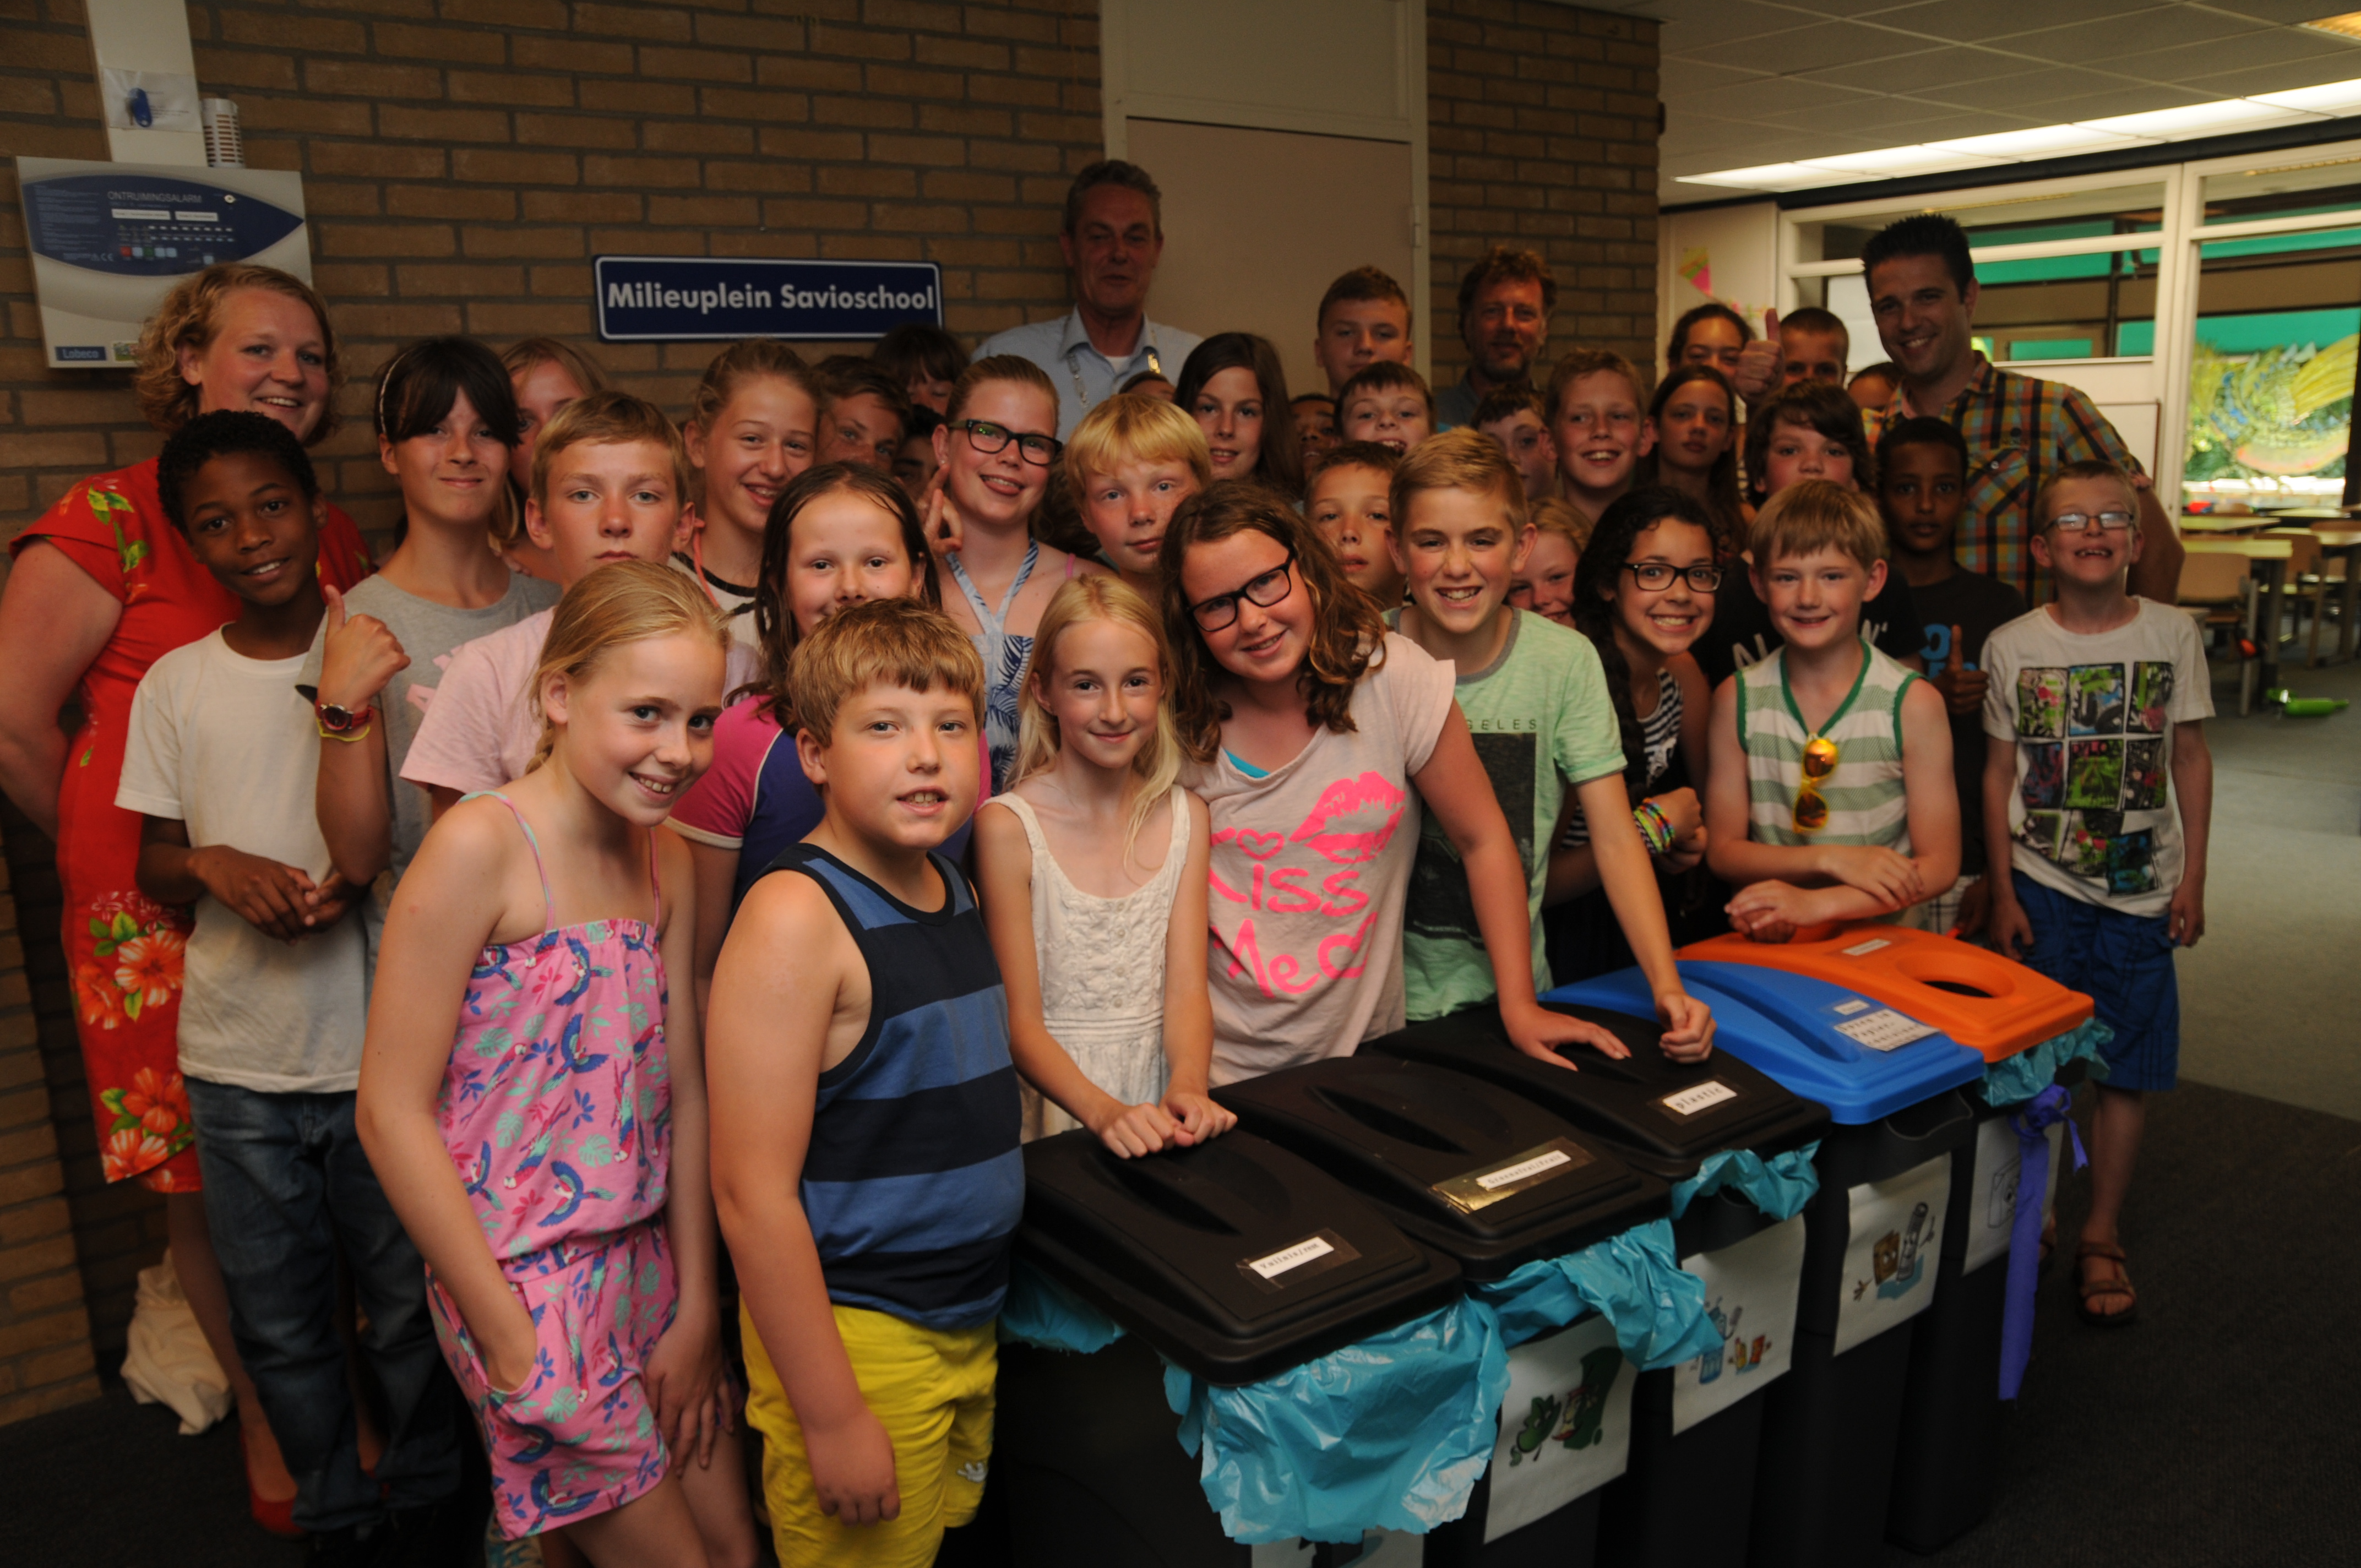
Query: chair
x: 2219, y: 591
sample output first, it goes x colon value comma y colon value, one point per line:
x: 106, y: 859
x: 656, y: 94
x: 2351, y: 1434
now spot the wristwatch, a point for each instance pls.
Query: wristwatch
x: 343, y: 720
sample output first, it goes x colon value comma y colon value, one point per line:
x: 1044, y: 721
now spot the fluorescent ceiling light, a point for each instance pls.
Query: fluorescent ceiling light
x: 1893, y: 160
x: 2347, y: 25
x: 2194, y: 119
x: 2335, y: 98
x: 1776, y: 177
x: 2035, y: 141
x: 2153, y: 129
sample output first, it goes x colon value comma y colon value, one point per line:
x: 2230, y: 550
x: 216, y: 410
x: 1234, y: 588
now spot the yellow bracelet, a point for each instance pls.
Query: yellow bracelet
x: 360, y: 734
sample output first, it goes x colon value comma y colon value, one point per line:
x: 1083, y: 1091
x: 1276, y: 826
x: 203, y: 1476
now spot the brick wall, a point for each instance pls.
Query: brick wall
x: 46, y: 1355
x: 463, y: 160
x: 1541, y: 132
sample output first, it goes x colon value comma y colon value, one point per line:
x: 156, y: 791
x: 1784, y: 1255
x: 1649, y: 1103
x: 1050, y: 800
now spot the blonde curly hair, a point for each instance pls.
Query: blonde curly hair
x: 190, y: 318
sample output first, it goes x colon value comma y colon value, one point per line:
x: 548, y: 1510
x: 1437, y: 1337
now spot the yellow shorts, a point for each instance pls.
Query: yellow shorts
x: 933, y: 1389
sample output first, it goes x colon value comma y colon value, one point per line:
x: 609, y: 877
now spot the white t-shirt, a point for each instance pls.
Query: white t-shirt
x: 1311, y: 869
x: 225, y: 744
x: 2092, y: 813
x: 483, y: 728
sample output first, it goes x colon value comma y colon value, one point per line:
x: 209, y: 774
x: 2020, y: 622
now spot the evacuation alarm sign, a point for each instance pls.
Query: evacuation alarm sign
x: 673, y: 299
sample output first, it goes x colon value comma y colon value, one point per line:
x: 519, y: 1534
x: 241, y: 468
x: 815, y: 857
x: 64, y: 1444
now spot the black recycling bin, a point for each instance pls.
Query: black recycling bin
x: 1664, y: 1117
x: 1946, y: 1465
x: 1830, y: 1426
x: 1490, y: 1178
x: 1236, y: 1260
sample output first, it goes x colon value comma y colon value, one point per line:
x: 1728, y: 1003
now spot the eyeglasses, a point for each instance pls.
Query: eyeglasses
x: 1654, y: 575
x: 1269, y: 588
x: 2080, y: 523
x: 987, y: 437
x: 1820, y: 758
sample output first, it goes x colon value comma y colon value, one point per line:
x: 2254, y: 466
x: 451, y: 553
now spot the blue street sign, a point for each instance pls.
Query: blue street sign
x: 645, y: 299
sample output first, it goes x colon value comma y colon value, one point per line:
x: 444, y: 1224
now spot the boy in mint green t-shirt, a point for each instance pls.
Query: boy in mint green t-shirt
x: 1536, y: 703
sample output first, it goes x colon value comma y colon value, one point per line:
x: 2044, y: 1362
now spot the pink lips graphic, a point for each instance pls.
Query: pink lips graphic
x: 1353, y: 820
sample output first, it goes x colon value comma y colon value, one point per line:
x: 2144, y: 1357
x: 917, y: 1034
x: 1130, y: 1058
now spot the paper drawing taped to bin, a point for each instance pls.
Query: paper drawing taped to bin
x: 1993, y: 1213
x: 1889, y: 1262
x: 1565, y: 1426
x: 1750, y: 1294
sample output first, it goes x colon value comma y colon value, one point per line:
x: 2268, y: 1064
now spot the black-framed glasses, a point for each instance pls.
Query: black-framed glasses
x: 1266, y: 590
x: 2080, y: 523
x: 1655, y: 576
x: 987, y: 437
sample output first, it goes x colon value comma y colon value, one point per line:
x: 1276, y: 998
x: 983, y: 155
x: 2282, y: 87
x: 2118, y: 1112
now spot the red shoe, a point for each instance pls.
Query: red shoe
x: 276, y: 1516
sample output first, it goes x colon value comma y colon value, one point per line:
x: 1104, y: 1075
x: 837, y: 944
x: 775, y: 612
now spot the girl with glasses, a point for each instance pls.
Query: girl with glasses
x: 996, y: 453
x: 1643, y: 594
x: 1307, y: 724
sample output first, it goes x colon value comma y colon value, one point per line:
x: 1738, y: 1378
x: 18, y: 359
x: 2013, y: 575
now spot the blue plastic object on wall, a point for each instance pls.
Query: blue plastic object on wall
x: 1788, y: 1026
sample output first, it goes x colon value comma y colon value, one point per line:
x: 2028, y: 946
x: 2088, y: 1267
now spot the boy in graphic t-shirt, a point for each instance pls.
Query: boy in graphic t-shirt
x: 2099, y: 783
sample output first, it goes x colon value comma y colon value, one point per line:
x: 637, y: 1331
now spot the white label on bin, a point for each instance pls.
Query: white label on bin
x: 1565, y: 1428
x: 1859, y: 949
x: 1883, y: 1029
x: 1309, y: 1250
x: 1702, y: 1097
x: 1847, y: 1009
x: 1991, y: 1214
x: 1750, y: 1296
x: 1891, y: 1257
x: 1493, y: 1180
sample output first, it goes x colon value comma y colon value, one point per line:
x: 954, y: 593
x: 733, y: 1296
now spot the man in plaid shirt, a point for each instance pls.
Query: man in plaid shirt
x: 2019, y: 430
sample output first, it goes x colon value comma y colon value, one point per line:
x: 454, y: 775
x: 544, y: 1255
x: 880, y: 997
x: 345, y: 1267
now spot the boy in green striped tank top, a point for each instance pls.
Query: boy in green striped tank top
x: 1829, y: 797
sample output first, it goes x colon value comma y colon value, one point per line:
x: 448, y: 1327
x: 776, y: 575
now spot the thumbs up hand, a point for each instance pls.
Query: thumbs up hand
x: 1962, y: 686
x: 358, y: 657
x: 1760, y: 363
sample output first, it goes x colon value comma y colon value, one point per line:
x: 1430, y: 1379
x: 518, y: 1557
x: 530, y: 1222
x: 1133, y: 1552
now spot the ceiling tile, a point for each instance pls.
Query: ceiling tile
x: 2107, y: 40
x: 1817, y: 46
x: 2280, y: 48
x: 1699, y: 24
x: 1928, y: 69
x: 1980, y: 21
x: 2013, y: 92
x: 2284, y: 13
x: 1685, y: 80
x: 2278, y: 78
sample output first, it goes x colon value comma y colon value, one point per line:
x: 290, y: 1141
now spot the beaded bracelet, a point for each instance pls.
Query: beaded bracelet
x: 1655, y: 827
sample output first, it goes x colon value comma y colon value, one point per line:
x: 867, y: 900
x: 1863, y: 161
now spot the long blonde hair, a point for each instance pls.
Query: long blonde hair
x: 1157, y: 764
x: 621, y: 602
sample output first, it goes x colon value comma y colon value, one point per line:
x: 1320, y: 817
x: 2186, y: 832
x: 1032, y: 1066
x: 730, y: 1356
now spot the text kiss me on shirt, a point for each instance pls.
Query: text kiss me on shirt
x: 1351, y: 825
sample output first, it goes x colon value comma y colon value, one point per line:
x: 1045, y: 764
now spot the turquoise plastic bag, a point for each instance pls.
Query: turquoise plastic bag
x: 1392, y: 1433
x: 1632, y: 1279
x: 2014, y: 1079
x: 1779, y: 1186
x: 1039, y: 1311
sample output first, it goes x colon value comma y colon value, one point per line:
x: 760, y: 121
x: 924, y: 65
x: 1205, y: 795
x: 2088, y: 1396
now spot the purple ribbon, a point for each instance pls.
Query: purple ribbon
x: 2031, y: 1125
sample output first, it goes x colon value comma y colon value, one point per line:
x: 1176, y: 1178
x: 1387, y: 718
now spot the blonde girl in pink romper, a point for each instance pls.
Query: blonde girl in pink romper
x: 536, y: 1107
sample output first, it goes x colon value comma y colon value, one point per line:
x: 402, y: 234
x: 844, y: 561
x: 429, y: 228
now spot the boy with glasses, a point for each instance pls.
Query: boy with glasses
x: 1829, y: 797
x: 2098, y: 781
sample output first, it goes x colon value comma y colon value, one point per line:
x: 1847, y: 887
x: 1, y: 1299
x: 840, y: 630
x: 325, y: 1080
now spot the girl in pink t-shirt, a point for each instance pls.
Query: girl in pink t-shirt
x: 1307, y: 723
x: 838, y: 535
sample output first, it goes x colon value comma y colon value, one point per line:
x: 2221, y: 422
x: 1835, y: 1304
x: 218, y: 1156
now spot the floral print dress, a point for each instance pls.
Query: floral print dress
x: 123, y: 950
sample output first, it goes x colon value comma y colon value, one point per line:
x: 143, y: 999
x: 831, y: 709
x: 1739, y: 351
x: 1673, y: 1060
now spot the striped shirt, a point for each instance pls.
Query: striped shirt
x: 1659, y: 733
x: 1865, y: 795
x: 2019, y: 430
x: 913, y: 1183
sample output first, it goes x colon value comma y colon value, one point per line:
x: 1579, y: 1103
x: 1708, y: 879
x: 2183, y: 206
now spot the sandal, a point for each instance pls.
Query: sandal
x: 2120, y: 1284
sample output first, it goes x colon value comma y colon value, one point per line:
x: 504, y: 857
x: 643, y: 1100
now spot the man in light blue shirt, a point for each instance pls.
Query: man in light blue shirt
x: 1112, y: 238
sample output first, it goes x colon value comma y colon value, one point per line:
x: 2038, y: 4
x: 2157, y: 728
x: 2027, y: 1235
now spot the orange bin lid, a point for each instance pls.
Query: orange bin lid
x: 1985, y: 1002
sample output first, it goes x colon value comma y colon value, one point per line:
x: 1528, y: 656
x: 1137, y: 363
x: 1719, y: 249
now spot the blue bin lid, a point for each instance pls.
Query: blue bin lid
x: 1791, y: 1028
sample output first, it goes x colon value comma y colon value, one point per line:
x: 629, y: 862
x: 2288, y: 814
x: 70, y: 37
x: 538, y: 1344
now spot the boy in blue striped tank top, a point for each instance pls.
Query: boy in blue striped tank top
x: 866, y: 1117
x: 1829, y: 797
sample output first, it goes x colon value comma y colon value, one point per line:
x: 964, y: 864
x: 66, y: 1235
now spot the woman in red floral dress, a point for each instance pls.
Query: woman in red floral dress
x: 102, y: 585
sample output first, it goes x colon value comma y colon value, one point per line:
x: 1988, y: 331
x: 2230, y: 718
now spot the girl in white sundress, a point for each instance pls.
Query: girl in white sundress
x: 1093, y: 871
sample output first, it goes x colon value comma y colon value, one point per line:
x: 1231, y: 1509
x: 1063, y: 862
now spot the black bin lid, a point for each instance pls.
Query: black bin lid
x: 1479, y: 1172
x: 1661, y: 1115
x: 1235, y: 1258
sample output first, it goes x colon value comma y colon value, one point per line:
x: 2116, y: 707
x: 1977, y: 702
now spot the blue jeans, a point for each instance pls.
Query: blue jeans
x: 286, y: 1187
